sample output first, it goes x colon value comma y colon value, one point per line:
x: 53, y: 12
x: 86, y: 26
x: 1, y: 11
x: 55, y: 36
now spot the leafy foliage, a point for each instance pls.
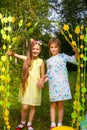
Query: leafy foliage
x: 73, y: 12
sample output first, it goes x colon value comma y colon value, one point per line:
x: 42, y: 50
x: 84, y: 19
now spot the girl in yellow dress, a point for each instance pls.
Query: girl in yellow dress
x: 32, y: 82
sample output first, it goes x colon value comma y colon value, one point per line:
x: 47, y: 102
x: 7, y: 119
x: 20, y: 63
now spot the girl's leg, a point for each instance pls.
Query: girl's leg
x: 23, y: 116
x: 24, y: 112
x: 60, y: 105
x: 53, y: 113
x: 31, y: 116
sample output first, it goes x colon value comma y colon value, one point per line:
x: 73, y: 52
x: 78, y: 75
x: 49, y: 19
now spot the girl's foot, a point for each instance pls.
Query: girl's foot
x: 52, y: 127
x: 30, y: 128
x: 59, y: 124
x: 20, y: 126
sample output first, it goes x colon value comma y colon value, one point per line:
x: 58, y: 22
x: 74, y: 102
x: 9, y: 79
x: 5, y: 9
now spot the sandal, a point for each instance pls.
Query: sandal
x: 30, y: 128
x: 20, y: 126
x: 52, y: 127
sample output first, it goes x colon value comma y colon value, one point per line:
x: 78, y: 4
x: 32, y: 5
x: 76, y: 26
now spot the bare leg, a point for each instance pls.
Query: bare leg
x: 60, y: 111
x: 52, y: 111
x: 31, y: 114
x: 23, y: 116
x: 24, y: 112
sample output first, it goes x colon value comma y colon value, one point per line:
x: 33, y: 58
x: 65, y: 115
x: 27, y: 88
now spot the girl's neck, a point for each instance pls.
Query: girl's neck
x: 56, y: 54
x: 34, y: 58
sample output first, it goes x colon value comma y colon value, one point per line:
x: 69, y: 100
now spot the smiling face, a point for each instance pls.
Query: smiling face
x: 54, y: 46
x: 35, y: 51
x: 54, y: 49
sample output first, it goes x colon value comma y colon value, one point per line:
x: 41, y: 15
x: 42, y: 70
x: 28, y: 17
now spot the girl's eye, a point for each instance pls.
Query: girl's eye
x: 54, y: 47
x: 35, y: 48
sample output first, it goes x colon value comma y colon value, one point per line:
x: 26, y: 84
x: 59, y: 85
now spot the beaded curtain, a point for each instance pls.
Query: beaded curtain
x: 11, y: 34
x: 78, y: 39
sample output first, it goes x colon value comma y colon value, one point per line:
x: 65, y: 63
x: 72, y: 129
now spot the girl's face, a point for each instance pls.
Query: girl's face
x: 54, y: 49
x: 36, y: 49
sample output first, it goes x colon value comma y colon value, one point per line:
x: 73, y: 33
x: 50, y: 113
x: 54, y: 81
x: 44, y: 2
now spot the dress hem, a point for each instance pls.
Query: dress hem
x: 60, y: 100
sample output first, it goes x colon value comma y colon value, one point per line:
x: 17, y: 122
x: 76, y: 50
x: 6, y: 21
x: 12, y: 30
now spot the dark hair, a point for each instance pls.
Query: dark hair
x: 55, y: 40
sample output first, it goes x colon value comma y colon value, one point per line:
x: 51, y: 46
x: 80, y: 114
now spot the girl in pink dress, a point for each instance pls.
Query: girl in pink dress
x: 57, y: 76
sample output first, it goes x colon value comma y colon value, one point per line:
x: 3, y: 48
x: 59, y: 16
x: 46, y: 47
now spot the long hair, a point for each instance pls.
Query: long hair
x: 25, y: 71
x: 26, y: 65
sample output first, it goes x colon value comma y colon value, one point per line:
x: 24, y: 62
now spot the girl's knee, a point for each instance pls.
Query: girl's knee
x: 53, y: 105
x: 24, y: 107
x: 60, y: 104
x: 32, y: 107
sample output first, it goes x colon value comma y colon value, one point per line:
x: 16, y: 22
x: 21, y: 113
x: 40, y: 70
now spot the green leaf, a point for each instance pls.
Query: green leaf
x: 8, y: 104
x: 30, y: 30
x: 8, y: 94
x: 1, y: 102
x: 0, y: 63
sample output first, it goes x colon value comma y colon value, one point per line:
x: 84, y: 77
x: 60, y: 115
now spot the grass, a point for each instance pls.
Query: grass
x: 42, y: 115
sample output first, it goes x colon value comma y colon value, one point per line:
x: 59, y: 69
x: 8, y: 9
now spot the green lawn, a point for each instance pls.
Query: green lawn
x: 42, y: 118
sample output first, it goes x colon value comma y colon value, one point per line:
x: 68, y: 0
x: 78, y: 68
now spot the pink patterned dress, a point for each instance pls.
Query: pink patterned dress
x: 59, y: 88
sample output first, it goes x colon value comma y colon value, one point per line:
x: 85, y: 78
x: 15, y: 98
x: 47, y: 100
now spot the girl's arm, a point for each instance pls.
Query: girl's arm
x: 21, y: 57
x: 42, y: 70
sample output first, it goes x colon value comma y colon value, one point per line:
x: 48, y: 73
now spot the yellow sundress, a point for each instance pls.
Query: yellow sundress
x: 32, y: 94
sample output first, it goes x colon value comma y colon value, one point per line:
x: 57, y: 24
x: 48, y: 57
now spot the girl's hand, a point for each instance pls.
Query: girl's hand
x: 10, y: 53
x: 75, y: 50
x: 76, y: 53
x: 40, y: 83
x: 46, y: 78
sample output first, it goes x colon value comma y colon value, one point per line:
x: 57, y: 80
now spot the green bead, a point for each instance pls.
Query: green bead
x: 85, y: 49
x: 85, y: 58
x: 85, y: 39
x: 83, y: 90
x: 79, y: 118
x: 73, y: 115
x: 83, y: 99
x: 86, y: 29
x: 83, y: 109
